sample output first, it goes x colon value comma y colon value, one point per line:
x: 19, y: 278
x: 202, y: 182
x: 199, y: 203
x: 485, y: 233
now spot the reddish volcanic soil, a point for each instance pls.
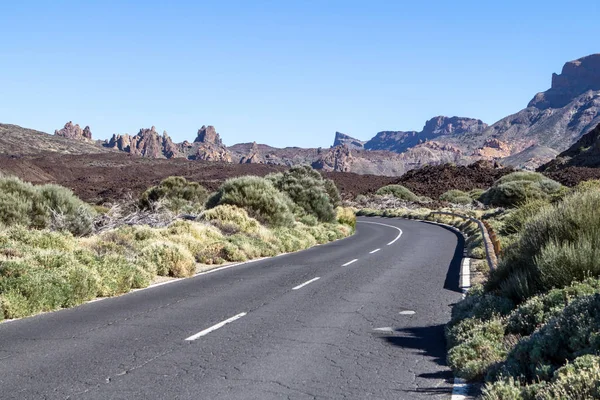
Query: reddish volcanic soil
x: 106, y: 177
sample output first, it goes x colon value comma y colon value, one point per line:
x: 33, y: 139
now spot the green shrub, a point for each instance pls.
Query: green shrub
x: 475, y: 194
x: 555, y: 247
x: 118, y: 275
x: 456, y: 197
x: 237, y: 218
x: 170, y: 259
x: 478, y: 349
x: 47, y: 206
x: 538, y: 310
x: 176, y: 194
x: 585, y: 186
x: 346, y: 216
x: 571, y: 334
x: 517, y: 218
x: 309, y: 191
x: 519, y: 187
x: 579, y: 380
x: 398, y: 191
x: 258, y: 197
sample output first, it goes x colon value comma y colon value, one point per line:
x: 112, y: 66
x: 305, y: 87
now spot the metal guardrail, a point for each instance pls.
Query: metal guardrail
x: 492, y: 244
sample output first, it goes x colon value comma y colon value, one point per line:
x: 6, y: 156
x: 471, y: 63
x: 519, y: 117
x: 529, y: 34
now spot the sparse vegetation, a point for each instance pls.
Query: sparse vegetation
x: 44, y: 267
x: 537, y: 339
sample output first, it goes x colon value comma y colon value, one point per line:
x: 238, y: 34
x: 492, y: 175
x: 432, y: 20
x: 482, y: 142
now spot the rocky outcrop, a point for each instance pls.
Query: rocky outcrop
x: 254, y: 156
x: 74, y: 131
x: 343, y: 139
x: 337, y: 159
x: 493, y: 149
x: 149, y: 143
x: 208, y: 146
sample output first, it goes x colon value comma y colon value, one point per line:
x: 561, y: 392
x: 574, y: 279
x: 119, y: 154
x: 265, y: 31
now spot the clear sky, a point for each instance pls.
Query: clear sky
x: 285, y: 73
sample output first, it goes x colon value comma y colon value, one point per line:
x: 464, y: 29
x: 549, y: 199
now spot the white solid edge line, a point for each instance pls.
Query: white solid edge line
x: 389, y: 226
x: 374, y: 251
x: 460, y: 388
x: 215, y: 327
x: 306, y: 283
x: 350, y: 262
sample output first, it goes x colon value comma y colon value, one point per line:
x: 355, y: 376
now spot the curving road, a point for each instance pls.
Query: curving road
x: 361, y: 318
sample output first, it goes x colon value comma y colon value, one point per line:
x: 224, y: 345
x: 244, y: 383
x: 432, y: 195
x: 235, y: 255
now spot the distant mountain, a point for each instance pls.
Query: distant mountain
x: 441, y: 129
x: 557, y: 117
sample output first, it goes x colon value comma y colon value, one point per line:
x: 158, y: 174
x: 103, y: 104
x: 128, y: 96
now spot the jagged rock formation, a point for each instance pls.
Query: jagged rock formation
x: 209, y: 147
x: 149, y: 143
x: 343, y: 139
x: 254, y: 156
x: 337, y: 159
x: 71, y: 131
x: 146, y: 143
x: 583, y: 153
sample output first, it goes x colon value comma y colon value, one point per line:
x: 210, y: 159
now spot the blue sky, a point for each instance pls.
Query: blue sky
x: 285, y: 73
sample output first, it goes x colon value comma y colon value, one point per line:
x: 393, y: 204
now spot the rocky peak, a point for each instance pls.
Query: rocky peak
x: 74, y: 131
x: 441, y: 125
x: 576, y: 78
x: 343, y: 139
x: 208, y: 134
x: 254, y: 156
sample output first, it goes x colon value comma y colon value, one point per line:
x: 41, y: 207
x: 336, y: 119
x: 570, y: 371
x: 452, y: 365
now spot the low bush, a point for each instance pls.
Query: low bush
x: 519, y: 187
x: 586, y: 186
x: 570, y: 335
x: 555, y: 248
x: 538, y: 310
x: 398, y: 191
x: 176, y: 194
x: 258, y: 197
x: 228, y: 217
x: 169, y: 259
x: 46, y: 206
x: 346, y: 216
x: 309, y: 191
x: 518, y: 217
x: 456, y: 197
x: 477, y: 348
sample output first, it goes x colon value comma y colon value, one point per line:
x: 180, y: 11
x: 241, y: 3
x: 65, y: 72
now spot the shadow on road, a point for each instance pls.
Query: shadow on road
x: 453, y: 274
x: 426, y: 342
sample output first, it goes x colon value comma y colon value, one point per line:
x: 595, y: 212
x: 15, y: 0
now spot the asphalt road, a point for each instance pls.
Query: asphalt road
x: 366, y: 329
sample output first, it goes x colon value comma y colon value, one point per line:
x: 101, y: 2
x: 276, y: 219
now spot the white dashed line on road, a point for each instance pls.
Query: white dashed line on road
x: 215, y: 327
x: 350, y: 262
x: 374, y: 251
x: 306, y: 283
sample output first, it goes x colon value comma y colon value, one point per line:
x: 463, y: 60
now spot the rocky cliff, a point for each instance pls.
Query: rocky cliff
x: 254, y: 156
x: 343, y: 139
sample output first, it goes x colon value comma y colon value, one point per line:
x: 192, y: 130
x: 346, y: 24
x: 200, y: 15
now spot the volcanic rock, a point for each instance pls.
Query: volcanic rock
x: 343, y: 139
x: 337, y: 159
x: 75, y: 132
x: 253, y: 157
